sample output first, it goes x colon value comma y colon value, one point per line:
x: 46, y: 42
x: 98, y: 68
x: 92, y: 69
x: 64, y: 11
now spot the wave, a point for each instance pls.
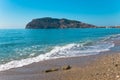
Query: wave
x: 112, y: 37
x: 69, y: 50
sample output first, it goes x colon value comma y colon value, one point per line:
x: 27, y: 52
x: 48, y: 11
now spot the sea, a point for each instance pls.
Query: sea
x: 20, y: 47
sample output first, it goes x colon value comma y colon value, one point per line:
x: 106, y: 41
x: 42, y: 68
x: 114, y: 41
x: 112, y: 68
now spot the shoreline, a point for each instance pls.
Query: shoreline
x: 48, y: 55
x: 35, y: 71
x: 28, y: 61
x: 102, y: 66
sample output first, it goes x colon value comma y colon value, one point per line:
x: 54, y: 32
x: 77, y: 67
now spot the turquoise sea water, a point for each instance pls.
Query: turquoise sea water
x: 19, y: 47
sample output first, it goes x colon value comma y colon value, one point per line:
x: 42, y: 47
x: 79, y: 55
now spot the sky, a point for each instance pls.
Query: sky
x: 17, y: 13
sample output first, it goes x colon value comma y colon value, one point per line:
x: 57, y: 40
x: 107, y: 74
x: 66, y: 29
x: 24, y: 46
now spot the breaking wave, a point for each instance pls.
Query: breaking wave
x: 68, y: 50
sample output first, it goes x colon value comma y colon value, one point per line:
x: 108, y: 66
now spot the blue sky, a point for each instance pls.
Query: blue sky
x: 17, y: 13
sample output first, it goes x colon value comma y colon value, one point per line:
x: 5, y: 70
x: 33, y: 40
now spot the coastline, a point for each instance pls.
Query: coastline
x: 86, y: 66
x: 102, y: 66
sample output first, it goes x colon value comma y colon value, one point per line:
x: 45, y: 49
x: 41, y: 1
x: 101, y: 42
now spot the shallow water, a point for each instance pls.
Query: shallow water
x: 20, y: 47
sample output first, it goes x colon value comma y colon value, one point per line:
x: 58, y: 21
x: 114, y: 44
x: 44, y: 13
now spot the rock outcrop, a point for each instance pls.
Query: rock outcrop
x: 51, y: 23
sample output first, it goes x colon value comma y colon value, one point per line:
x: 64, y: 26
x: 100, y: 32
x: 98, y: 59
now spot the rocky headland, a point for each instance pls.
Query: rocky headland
x: 53, y: 23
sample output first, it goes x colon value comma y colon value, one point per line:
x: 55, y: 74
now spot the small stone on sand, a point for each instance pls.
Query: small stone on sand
x: 66, y: 67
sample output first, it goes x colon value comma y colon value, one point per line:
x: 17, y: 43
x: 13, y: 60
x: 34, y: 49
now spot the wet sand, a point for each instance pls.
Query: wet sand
x: 36, y: 71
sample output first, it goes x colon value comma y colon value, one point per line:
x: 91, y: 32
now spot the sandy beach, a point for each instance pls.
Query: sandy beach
x: 103, y: 66
x: 96, y: 67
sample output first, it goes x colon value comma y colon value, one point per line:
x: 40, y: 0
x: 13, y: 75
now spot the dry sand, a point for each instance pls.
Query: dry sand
x: 106, y: 68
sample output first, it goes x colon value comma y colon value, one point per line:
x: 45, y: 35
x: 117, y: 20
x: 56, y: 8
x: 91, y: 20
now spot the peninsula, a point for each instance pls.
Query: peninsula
x: 53, y: 23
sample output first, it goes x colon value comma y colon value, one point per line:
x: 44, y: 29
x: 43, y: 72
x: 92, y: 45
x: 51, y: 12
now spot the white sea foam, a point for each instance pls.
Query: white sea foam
x: 69, y: 50
x: 113, y: 37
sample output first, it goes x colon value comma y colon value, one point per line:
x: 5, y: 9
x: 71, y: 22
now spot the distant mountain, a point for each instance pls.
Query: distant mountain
x: 51, y: 23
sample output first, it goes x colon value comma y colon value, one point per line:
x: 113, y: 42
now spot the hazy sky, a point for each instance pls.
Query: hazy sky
x: 17, y: 13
